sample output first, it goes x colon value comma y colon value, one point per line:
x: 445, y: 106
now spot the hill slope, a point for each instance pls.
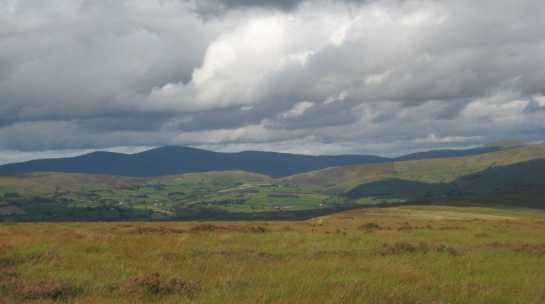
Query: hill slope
x: 440, y: 170
x: 447, y: 153
x: 521, y: 184
x: 179, y: 160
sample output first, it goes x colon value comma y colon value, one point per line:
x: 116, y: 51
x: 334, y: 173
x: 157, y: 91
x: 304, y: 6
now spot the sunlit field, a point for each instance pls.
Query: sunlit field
x: 391, y: 255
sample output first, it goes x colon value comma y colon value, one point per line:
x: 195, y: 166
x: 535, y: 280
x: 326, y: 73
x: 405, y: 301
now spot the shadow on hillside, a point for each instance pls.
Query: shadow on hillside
x: 521, y: 184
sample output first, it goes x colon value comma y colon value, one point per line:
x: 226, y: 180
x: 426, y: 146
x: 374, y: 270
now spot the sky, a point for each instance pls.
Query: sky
x: 380, y: 77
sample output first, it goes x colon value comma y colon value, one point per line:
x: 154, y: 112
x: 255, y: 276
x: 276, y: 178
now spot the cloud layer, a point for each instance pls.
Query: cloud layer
x: 347, y: 76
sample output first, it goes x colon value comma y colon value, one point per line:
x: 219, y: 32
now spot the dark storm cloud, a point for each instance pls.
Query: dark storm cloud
x: 214, y: 7
x: 210, y: 8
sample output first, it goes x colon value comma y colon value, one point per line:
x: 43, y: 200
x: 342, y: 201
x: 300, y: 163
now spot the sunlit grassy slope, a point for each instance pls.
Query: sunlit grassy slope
x: 46, y: 182
x: 393, y: 255
x: 442, y: 170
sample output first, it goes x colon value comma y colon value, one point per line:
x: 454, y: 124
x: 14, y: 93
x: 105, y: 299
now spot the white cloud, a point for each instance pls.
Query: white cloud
x: 297, y: 110
x: 496, y: 107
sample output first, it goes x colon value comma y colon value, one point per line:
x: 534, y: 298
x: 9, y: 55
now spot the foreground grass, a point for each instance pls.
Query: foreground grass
x: 394, y: 255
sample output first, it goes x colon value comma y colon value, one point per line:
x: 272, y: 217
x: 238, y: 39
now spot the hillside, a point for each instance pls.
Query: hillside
x: 179, y: 160
x: 63, y: 196
x: 523, y: 183
x: 440, y: 170
x: 448, y: 153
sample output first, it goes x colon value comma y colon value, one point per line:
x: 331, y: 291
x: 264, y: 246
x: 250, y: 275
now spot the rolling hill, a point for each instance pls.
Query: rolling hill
x: 448, y: 153
x: 173, y: 160
x: 521, y: 184
x: 179, y: 160
x: 435, y: 170
x: 513, y: 176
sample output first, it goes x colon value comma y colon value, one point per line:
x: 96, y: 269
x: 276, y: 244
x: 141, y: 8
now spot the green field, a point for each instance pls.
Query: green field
x: 391, y: 255
x: 59, y: 196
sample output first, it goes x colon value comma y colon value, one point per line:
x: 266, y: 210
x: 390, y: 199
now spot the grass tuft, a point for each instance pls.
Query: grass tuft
x: 156, y: 285
x: 44, y: 290
x: 228, y: 228
x: 400, y: 248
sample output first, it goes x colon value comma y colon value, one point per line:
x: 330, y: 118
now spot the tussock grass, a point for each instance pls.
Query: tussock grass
x: 155, y: 285
x: 44, y: 290
x: 228, y: 228
x: 391, y: 255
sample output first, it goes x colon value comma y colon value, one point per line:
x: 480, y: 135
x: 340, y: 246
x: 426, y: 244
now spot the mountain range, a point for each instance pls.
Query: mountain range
x: 172, y: 160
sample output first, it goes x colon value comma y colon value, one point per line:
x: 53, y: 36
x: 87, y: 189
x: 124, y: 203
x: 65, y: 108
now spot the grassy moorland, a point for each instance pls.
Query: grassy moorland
x: 391, y: 255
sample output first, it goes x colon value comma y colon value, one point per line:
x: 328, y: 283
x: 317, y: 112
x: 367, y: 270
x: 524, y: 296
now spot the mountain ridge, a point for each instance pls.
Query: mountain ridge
x: 171, y: 160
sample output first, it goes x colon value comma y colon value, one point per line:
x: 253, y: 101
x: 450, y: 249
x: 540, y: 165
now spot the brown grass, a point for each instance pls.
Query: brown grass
x: 532, y: 249
x: 157, y: 285
x: 524, y: 248
x: 44, y: 290
x: 400, y: 248
x: 157, y: 230
x: 299, y: 262
x: 406, y: 226
x: 369, y: 227
x: 227, y: 228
